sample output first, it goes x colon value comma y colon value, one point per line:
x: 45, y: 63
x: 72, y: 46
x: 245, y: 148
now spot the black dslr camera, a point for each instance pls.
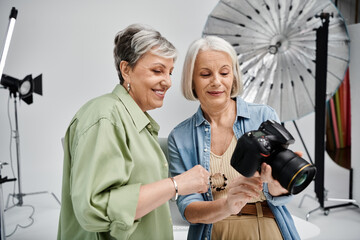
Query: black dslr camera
x: 269, y: 144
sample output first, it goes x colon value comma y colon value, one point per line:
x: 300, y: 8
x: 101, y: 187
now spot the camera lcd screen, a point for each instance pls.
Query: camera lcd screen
x: 258, y: 134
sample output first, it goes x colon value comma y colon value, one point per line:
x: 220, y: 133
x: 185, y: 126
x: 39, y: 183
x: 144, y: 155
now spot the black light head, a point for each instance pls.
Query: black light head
x: 24, y: 88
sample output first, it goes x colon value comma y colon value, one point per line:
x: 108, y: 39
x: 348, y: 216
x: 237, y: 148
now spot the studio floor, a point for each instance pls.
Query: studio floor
x: 341, y: 223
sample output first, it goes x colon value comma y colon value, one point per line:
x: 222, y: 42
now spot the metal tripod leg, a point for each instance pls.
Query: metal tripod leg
x: 314, y: 210
x: 306, y: 195
x: 326, y: 210
x: 27, y: 194
x: 301, y: 202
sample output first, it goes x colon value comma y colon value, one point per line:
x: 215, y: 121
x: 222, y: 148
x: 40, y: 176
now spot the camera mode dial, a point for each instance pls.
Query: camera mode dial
x: 265, y: 143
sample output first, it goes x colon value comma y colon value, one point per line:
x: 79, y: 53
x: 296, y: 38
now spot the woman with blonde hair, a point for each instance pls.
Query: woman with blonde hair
x: 234, y: 207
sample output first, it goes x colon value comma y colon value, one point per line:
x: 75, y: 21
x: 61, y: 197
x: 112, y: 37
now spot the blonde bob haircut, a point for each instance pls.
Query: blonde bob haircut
x: 204, y: 44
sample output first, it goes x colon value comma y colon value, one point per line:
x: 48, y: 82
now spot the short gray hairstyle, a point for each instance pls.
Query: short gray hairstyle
x: 203, y: 44
x: 136, y: 40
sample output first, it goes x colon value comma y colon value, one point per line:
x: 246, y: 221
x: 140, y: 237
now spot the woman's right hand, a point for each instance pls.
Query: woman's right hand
x: 195, y: 180
x: 241, y: 191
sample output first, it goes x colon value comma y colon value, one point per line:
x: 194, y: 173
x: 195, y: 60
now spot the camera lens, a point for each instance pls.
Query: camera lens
x: 301, y: 180
x: 293, y: 172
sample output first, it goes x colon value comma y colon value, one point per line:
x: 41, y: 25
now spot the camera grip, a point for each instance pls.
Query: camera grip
x: 246, y: 158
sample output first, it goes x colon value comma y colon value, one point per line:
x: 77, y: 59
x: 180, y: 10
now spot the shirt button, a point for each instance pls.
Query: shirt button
x: 205, y: 149
x: 206, y: 129
x: 149, y: 126
x: 165, y: 164
x: 206, y: 238
x: 207, y: 194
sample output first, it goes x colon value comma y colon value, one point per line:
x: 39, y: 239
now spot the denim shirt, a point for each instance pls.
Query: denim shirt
x: 189, y: 145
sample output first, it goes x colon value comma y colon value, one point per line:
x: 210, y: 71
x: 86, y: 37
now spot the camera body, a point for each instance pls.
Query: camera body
x: 270, y: 144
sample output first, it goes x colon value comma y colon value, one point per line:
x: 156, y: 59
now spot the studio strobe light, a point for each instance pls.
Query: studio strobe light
x: 25, y: 88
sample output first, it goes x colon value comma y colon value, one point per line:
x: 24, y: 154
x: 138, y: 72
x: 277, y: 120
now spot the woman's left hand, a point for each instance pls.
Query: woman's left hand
x: 274, y: 186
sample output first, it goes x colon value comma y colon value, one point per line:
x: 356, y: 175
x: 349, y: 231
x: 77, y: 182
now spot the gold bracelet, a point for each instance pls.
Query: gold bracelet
x: 176, y: 189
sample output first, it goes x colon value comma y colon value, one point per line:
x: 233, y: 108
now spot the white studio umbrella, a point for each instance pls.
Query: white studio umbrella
x: 276, y: 45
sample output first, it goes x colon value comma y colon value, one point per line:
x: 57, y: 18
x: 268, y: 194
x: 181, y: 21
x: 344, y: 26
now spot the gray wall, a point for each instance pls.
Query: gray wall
x: 70, y: 43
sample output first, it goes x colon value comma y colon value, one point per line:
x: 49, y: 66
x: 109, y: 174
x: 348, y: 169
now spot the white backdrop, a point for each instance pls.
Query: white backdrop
x: 354, y: 32
x: 70, y: 43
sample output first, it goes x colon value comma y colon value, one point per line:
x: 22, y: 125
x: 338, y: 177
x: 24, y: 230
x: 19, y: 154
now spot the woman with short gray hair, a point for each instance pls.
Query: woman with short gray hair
x: 141, y: 42
x: 115, y: 175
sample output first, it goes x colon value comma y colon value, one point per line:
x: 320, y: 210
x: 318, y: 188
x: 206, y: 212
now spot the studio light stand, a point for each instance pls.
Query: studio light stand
x: 19, y: 196
x: 22, y: 89
x: 320, y: 113
x: 2, y: 210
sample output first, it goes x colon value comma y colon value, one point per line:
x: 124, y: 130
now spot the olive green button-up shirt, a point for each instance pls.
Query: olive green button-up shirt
x: 110, y: 150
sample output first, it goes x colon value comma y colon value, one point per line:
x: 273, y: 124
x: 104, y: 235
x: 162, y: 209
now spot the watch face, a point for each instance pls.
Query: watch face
x: 25, y: 88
